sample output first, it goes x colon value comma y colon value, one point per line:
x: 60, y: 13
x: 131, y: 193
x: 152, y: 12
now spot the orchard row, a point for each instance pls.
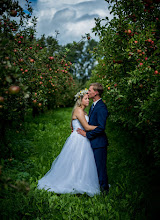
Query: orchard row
x: 31, y: 76
x: 129, y: 66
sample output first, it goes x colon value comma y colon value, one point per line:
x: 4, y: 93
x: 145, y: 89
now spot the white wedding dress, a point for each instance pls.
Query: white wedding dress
x: 74, y: 170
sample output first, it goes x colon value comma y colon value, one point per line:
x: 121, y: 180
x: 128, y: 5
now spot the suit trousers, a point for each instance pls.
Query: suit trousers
x: 100, y: 155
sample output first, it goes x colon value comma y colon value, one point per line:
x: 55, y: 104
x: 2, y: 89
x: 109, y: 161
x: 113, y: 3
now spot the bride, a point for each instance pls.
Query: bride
x: 74, y: 170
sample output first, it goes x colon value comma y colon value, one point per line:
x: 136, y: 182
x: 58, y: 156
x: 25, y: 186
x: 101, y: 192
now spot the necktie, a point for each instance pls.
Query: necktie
x: 92, y: 107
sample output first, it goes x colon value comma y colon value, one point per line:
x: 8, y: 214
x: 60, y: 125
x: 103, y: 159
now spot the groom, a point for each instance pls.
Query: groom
x: 98, y: 114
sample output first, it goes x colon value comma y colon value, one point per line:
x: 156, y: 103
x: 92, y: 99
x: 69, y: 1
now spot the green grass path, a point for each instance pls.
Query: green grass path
x: 35, y: 147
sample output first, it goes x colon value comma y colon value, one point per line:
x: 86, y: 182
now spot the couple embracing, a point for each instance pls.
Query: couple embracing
x: 81, y: 166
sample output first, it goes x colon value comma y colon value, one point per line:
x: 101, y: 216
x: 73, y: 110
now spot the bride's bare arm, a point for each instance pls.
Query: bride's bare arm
x: 79, y: 113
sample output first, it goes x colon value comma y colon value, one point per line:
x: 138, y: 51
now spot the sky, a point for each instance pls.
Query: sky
x: 71, y: 18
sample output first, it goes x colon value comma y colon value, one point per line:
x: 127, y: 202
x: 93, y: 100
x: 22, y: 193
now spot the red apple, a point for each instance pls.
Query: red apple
x: 34, y: 101
x: 156, y: 72
x: 21, y: 60
x: 135, y: 41
x: 14, y: 89
x: 1, y: 99
x: 13, y: 13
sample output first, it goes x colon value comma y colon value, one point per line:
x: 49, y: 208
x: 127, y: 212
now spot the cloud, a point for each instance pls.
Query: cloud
x: 72, y: 18
x: 64, y: 15
x: 87, y: 17
x: 79, y: 28
x: 59, y: 3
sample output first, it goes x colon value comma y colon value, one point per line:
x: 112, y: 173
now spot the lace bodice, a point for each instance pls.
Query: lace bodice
x: 76, y: 123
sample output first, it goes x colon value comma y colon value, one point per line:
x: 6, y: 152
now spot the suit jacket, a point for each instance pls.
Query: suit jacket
x: 98, y: 118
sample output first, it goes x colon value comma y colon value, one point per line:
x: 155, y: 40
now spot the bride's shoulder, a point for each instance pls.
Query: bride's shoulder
x: 79, y: 110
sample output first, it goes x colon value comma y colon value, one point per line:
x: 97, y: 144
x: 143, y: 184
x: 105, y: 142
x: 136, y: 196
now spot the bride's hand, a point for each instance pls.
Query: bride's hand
x: 82, y: 132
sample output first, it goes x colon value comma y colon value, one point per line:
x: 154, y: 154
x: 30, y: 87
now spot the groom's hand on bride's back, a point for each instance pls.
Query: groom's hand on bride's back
x: 82, y: 132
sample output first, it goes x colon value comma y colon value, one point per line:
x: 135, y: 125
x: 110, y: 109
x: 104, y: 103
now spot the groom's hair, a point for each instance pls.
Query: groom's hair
x: 97, y: 87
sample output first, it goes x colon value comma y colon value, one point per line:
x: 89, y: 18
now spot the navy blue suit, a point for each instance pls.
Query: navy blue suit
x: 99, y: 141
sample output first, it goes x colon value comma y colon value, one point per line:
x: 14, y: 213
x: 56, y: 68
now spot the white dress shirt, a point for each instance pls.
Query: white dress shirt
x: 96, y: 102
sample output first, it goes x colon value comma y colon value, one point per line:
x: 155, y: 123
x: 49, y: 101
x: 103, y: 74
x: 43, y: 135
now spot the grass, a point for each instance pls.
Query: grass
x: 38, y: 143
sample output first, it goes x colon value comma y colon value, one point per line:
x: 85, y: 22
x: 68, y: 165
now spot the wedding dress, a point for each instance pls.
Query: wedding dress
x: 74, y: 170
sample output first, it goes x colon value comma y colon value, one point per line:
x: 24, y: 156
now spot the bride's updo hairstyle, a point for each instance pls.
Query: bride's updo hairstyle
x: 78, y: 98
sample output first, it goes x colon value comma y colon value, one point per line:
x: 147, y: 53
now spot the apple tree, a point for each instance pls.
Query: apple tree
x: 31, y: 77
x: 129, y: 67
